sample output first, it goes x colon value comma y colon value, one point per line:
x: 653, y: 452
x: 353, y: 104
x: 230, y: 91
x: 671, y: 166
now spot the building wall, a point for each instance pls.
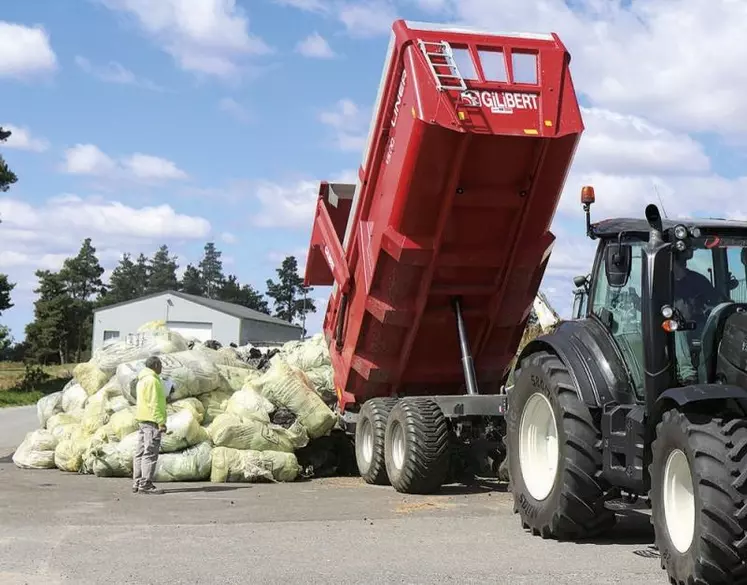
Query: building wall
x: 127, y: 318
x: 252, y: 331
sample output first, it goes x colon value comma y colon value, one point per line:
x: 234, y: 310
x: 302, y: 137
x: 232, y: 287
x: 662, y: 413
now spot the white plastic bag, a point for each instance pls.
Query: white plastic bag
x: 193, y: 464
x: 36, y: 451
x: 48, y: 406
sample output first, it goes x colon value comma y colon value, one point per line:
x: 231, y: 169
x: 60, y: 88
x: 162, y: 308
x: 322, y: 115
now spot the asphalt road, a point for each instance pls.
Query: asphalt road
x: 58, y: 528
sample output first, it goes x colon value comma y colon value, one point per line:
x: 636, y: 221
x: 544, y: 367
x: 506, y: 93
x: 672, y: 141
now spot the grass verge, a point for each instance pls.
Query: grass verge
x: 12, y: 375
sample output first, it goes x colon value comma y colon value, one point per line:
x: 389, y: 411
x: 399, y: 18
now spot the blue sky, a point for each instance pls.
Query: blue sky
x: 205, y: 120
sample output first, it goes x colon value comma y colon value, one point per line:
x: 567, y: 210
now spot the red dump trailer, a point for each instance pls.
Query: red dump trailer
x: 436, y: 254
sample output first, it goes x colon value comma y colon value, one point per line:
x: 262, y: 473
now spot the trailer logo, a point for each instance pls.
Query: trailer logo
x: 500, y: 102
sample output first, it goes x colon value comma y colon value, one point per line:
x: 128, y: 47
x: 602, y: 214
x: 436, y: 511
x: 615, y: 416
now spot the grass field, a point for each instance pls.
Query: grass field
x: 12, y: 373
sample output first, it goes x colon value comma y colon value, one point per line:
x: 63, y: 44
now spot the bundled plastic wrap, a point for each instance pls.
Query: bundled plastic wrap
x: 287, y: 386
x: 220, y: 357
x: 66, y: 431
x: 48, y: 406
x: 121, y: 424
x: 215, y: 403
x: 193, y: 464
x: 232, y: 465
x: 309, y: 355
x: 68, y: 456
x: 190, y: 374
x: 61, y: 419
x: 191, y: 404
x: 93, y: 374
x: 247, y: 403
x: 36, y: 451
x: 182, y: 431
x: 111, y: 459
x: 74, y: 399
x: 228, y: 430
x: 233, y: 378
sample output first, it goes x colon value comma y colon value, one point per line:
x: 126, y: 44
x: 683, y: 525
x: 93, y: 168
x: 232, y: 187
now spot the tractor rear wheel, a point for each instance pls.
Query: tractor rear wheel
x: 554, y: 457
x: 417, y: 446
x: 369, y: 439
x: 698, y: 486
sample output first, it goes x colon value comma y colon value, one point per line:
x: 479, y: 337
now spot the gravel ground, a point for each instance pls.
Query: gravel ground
x: 58, y: 528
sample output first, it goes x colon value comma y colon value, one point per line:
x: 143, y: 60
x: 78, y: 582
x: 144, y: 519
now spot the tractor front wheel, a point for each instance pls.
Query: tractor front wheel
x: 698, y: 487
x: 554, y: 458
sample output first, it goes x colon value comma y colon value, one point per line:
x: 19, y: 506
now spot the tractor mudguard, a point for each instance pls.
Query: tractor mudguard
x: 592, y: 359
x: 701, y: 393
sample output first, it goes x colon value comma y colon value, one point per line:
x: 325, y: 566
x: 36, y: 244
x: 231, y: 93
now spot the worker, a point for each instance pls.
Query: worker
x: 151, y: 415
x: 694, y: 296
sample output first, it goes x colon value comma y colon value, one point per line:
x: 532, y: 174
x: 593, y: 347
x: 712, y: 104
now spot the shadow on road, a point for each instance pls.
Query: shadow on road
x: 207, y: 489
x: 7, y: 459
x: 476, y: 487
x: 630, y: 529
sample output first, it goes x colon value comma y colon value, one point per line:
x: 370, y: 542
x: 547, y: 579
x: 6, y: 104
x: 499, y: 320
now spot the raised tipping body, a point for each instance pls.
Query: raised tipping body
x: 471, y: 140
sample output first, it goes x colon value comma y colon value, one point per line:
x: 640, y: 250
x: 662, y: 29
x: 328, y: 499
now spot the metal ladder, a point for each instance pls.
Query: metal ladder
x: 442, y: 50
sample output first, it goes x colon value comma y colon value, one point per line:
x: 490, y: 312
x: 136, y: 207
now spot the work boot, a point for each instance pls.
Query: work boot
x: 150, y: 490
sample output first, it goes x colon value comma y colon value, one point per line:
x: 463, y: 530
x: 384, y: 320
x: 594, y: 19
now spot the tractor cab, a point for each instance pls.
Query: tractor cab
x: 699, y: 278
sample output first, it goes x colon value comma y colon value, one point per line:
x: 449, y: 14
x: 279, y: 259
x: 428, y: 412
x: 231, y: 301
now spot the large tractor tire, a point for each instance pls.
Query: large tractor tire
x: 554, y: 458
x: 699, y: 497
x: 417, y: 446
x: 369, y: 439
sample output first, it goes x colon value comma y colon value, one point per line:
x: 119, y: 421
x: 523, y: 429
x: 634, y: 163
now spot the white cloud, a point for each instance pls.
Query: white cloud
x: 203, y: 36
x: 22, y: 139
x: 349, y: 123
x: 308, y: 5
x: 289, y: 205
x: 292, y: 204
x: 374, y: 17
x: 677, y: 63
x: 116, y: 73
x: 25, y: 51
x: 229, y: 238
x: 88, y: 159
x: 315, y: 46
x: 234, y: 109
x: 619, y: 143
x: 148, y: 167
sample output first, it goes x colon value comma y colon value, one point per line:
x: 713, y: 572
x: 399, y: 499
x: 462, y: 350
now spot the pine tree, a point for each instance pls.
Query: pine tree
x: 162, y: 271
x: 81, y: 276
x: 211, y: 270
x: 6, y: 288
x: 49, y: 333
x: 191, y: 281
x: 232, y: 291
x: 7, y: 177
x: 289, y: 292
x: 125, y: 283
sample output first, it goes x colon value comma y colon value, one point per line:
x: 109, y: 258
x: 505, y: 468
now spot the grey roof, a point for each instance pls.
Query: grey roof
x: 709, y: 226
x: 232, y: 309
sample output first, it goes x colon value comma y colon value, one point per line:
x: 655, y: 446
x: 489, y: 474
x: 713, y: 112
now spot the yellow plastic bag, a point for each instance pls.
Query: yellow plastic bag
x: 228, y: 430
x: 233, y: 465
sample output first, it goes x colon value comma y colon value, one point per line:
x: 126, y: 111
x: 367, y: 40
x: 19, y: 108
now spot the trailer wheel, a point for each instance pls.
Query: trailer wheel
x: 417, y: 446
x: 698, y: 500
x: 554, y: 457
x: 369, y: 439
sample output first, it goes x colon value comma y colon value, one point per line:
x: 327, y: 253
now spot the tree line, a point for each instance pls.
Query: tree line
x: 62, y: 325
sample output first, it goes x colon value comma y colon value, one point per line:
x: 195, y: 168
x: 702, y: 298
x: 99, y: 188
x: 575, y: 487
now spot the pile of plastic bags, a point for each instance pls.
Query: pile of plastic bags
x: 228, y: 419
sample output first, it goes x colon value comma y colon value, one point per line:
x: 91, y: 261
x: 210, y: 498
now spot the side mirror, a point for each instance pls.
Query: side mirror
x: 617, y: 263
x: 580, y: 281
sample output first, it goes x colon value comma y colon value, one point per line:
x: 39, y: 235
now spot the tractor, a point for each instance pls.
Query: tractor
x: 639, y: 402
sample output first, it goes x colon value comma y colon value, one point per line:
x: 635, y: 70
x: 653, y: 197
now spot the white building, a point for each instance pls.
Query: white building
x: 193, y: 317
